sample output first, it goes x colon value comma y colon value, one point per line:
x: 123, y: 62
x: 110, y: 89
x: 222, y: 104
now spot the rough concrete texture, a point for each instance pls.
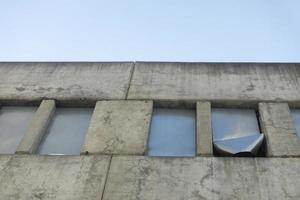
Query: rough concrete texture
x: 204, y: 130
x: 135, y: 178
x: 64, y: 81
x: 27, y: 177
x: 119, y: 127
x: 37, y: 127
x: 277, y: 124
x: 209, y: 81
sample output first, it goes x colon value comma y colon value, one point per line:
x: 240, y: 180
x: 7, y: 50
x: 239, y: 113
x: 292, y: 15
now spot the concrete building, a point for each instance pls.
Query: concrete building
x: 107, y: 153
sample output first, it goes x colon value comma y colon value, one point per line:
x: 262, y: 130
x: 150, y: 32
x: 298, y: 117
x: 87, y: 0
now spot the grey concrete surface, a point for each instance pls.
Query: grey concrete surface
x: 122, y: 127
x: 37, y: 127
x: 119, y: 127
x: 204, y: 130
x: 217, y: 82
x: 28, y: 177
x: 277, y: 124
x: 135, y: 178
x: 4, y: 159
x: 64, y: 81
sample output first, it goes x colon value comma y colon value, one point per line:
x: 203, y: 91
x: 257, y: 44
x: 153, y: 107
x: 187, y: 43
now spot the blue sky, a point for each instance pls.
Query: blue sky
x: 156, y: 30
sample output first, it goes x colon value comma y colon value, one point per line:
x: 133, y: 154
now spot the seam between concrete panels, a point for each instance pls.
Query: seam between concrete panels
x: 106, y: 177
x: 259, y: 180
x: 130, y: 80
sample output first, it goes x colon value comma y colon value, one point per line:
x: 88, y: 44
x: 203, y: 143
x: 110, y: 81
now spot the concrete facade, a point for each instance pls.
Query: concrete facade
x: 277, y: 124
x: 119, y: 127
x: 215, y: 81
x: 64, y: 81
x: 204, y: 130
x: 52, y: 177
x: 124, y: 94
x: 134, y: 178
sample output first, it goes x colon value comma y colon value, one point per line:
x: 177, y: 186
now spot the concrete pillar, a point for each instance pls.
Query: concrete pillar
x: 119, y: 127
x: 37, y: 128
x: 277, y: 125
x: 204, y: 130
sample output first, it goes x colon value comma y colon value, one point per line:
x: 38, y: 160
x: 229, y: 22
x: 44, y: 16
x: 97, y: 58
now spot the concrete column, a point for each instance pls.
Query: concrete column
x: 37, y: 128
x: 204, y: 130
x: 277, y: 125
x: 119, y: 127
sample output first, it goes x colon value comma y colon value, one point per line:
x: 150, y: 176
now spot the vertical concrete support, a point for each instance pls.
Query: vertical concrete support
x: 204, y: 130
x: 277, y: 125
x: 37, y: 128
x: 119, y: 127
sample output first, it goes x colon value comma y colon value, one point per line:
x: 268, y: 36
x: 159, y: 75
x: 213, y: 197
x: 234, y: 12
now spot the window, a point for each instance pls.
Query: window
x: 236, y: 132
x: 172, y: 133
x: 296, y: 118
x: 14, y: 122
x: 66, y: 132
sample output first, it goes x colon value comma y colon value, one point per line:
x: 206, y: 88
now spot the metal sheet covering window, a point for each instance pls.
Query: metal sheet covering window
x: 66, y: 132
x: 172, y: 132
x: 14, y: 121
x: 236, y: 131
x: 296, y: 119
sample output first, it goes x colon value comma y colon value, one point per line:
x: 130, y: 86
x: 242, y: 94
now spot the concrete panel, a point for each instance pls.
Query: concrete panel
x: 133, y: 178
x: 209, y: 81
x: 64, y: 81
x: 204, y: 130
x: 119, y: 127
x: 277, y: 124
x: 37, y: 127
x: 279, y: 178
x: 28, y: 177
x: 3, y: 161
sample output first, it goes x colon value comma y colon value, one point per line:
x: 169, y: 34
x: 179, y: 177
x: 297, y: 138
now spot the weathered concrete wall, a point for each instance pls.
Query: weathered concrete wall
x: 192, y: 81
x: 277, y: 125
x: 163, y: 81
x: 135, y: 178
x: 28, y: 177
x: 204, y: 130
x: 119, y: 127
x: 64, y: 81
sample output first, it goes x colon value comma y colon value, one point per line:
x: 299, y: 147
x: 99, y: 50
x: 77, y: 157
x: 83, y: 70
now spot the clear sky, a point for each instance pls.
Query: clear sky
x: 153, y: 30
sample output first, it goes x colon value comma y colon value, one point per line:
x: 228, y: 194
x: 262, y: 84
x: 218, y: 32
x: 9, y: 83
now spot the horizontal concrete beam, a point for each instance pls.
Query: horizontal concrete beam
x: 135, y: 178
x: 277, y: 125
x: 37, y: 127
x: 241, y: 83
x: 204, y: 130
x: 215, y: 81
x: 76, y: 81
x: 29, y: 177
x: 119, y: 127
